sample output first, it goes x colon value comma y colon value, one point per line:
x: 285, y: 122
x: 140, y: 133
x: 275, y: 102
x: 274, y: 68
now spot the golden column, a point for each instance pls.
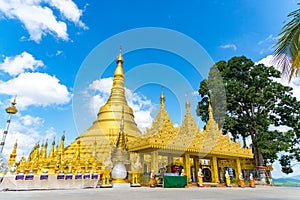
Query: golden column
x: 196, y: 164
x: 170, y: 163
x: 154, y: 161
x: 215, y: 172
x: 142, y: 160
x: 187, y: 164
x: 238, y: 167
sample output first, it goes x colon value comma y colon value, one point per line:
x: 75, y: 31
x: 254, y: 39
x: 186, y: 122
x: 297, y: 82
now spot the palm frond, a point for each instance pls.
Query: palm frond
x: 287, y: 47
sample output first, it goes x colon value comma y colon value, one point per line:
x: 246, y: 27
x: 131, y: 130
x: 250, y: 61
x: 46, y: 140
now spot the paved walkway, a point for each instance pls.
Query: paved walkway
x: 260, y: 192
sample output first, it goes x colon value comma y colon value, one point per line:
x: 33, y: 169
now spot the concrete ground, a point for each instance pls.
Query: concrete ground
x: 260, y: 192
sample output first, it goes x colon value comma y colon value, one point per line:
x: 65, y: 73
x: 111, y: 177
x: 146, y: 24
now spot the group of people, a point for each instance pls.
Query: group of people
x: 200, y: 179
x: 241, y: 180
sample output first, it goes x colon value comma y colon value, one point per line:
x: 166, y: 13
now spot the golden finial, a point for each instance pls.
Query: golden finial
x: 62, y: 144
x: 187, y: 103
x: 46, y: 143
x: 14, y: 102
x: 120, y: 57
x: 119, y: 70
x: 162, y: 97
x: 51, y: 154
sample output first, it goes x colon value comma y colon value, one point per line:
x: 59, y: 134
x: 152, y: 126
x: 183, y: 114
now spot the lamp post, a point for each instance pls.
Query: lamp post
x: 10, y: 110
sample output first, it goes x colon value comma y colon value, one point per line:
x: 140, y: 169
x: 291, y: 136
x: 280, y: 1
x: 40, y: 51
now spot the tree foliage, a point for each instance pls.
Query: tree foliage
x: 257, y: 107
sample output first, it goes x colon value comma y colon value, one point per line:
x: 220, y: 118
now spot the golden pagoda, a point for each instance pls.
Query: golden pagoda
x: 162, y: 143
x: 105, y: 129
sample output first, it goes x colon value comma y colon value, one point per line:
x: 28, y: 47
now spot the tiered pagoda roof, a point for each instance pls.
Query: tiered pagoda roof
x: 164, y: 137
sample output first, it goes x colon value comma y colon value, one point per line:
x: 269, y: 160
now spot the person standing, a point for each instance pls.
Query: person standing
x: 200, y: 178
x: 152, y: 178
x: 242, y: 182
x: 227, y: 177
x: 252, y: 184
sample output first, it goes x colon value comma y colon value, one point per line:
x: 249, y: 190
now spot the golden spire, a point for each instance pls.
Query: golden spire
x: 109, y: 115
x: 41, y: 151
x: 162, y: 98
x: 119, y: 70
x: 44, y: 150
x: 14, y: 151
x: 34, y: 154
x: 62, y: 144
x: 13, y: 155
x: 117, y: 94
x: 46, y: 144
x: 187, y: 104
x: 51, y: 154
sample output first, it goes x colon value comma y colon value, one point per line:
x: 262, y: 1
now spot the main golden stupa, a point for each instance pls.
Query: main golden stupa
x: 161, y: 146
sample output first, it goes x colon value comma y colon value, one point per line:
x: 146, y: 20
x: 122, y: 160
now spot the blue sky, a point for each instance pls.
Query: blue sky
x: 45, y: 43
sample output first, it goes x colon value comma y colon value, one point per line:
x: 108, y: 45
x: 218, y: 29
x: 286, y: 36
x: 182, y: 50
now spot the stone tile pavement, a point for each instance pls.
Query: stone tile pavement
x: 145, y: 193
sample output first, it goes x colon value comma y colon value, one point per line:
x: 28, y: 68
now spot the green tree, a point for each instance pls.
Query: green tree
x: 286, y: 54
x: 256, y: 106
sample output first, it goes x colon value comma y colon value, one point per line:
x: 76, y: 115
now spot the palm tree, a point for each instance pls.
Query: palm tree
x: 287, y: 54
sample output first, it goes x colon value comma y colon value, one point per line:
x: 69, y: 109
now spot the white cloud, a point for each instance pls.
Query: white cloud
x: 103, y: 85
x: 15, y: 65
x: 28, y: 120
x: 142, y: 107
x: 38, y: 16
x: 295, y: 82
x: 267, y: 44
x: 229, y: 46
x: 58, y: 52
x: 69, y: 9
x: 268, y: 40
x: 36, y: 89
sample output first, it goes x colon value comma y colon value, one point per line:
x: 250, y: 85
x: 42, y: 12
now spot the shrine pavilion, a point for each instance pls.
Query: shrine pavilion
x: 160, y: 146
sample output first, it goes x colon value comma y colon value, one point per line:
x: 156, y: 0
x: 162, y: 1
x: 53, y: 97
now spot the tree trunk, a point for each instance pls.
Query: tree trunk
x: 244, y: 142
x: 259, y: 160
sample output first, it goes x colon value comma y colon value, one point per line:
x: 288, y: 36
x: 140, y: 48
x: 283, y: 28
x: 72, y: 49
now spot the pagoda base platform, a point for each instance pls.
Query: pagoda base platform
x: 121, y: 185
